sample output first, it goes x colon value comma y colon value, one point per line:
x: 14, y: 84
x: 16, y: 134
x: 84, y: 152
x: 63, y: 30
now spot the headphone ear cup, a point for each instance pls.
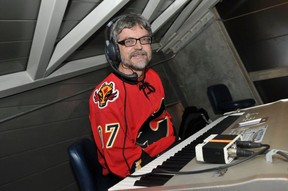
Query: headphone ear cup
x: 113, y: 52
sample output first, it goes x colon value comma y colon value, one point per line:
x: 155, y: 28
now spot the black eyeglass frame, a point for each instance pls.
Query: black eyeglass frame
x: 124, y: 42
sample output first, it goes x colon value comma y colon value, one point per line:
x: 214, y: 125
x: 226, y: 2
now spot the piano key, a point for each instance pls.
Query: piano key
x: 154, y: 180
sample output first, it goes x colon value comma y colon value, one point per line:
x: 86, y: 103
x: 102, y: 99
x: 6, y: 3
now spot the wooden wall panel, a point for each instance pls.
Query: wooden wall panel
x: 57, y: 178
x: 33, y: 146
x: 31, y: 138
x: 68, y: 110
x: 22, y: 10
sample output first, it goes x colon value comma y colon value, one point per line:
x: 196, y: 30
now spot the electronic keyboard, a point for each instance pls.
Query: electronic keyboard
x: 175, y: 158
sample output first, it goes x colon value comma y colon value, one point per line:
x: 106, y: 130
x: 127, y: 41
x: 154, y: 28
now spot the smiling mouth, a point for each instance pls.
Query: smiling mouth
x: 139, y: 55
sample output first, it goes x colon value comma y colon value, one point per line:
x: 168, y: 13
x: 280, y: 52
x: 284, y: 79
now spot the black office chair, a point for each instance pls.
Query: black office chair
x: 87, y: 170
x: 222, y: 102
x: 193, y: 120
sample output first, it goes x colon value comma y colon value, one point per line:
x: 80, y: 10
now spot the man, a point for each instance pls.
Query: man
x: 129, y: 121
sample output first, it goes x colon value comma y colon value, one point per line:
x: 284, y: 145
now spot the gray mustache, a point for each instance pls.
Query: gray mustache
x: 138, y: 52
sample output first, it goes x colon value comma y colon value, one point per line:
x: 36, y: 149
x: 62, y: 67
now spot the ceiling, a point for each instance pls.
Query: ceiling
x: 44, y: 41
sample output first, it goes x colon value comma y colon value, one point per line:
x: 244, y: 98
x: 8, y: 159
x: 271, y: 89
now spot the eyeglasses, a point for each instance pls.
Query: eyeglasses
x: 132, y: 41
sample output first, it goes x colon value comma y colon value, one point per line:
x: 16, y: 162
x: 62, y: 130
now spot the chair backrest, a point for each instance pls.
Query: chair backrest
x: 193, y: 120
x: 218, y: 94
x: 84, y: 162
x: 86, y: 168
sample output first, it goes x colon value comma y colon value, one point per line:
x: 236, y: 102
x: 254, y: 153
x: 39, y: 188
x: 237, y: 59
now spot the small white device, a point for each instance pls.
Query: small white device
x: 217, y: 149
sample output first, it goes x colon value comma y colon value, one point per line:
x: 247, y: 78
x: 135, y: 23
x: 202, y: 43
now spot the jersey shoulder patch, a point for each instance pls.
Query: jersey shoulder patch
x: 105, y: 94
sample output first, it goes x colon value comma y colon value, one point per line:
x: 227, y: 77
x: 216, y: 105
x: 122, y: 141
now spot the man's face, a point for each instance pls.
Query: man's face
x: 138, y: 56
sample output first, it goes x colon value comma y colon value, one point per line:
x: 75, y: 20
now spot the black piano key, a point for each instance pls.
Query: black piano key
x: 175, y: 160
x: 182, y: 157
x: 153, y: 180
x: 174, y: 167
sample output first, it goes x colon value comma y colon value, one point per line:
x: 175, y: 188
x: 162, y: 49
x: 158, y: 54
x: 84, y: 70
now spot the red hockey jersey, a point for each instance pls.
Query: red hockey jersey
x: 128, y: 122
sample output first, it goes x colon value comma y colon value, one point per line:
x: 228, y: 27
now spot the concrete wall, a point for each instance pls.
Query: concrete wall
x: 208, y: 59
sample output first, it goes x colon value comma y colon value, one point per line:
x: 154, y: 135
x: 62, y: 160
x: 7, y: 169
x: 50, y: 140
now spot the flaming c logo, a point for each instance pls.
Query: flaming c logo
x: 106, y: 93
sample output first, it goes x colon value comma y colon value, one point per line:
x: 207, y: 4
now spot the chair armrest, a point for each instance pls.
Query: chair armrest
x: 240, y: 104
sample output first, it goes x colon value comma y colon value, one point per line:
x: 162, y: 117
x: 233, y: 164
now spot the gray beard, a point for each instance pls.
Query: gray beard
x: 136, y: 67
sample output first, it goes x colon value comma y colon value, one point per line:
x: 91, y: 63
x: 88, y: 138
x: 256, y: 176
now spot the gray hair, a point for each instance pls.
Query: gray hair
x: 128, y: 21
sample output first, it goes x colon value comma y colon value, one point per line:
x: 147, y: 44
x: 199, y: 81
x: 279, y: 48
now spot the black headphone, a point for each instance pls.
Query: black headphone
x: 113, y: 56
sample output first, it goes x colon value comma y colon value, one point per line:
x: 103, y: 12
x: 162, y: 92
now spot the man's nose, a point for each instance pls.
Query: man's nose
x: 138, y: 45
